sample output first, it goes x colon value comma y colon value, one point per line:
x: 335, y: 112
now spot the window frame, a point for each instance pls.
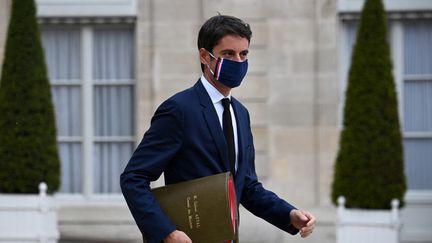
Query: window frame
x: 87, y: 83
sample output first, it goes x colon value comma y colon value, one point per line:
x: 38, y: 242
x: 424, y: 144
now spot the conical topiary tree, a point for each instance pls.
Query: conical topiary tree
x: 28, y: 147
x: 369, y: 168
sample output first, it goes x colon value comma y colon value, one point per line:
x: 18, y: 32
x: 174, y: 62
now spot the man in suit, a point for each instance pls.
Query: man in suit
x: 203, y: 131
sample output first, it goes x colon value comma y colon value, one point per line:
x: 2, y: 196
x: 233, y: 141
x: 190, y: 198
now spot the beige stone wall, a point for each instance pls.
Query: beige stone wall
x: 291, y: 87
x: 291, y: 91
x: 4, y: 22
x: 167, y: 60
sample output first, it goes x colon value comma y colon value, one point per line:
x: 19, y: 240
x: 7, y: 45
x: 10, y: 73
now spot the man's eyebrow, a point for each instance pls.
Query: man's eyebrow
x: 231, y: 50
x: 227, y: 50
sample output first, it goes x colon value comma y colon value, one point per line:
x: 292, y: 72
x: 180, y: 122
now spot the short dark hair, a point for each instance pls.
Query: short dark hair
x: 218, y: 27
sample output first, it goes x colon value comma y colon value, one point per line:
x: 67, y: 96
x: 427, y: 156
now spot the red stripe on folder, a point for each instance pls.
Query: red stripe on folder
x: 232, y: 202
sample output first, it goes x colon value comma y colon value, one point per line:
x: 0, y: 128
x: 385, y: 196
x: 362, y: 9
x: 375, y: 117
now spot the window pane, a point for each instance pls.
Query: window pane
x: 67, y: 104
x: 113, y: 106
x: 418, y: 47
x: 113, y: 98
x: 113, y: 54
x: 62, y: 53
x: 418, y: 160
x: 110, y: 160
x: 70, y: 156
x: 351, y: 38
x: 418, y: 106
x: 417, y: 39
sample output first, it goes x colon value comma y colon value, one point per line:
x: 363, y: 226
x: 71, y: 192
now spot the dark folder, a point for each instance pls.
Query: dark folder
x: 205, y: 208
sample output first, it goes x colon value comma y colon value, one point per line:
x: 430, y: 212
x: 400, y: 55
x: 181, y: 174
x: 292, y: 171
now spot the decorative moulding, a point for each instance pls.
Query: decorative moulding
x: 86, y: 8
x: 390, y: 5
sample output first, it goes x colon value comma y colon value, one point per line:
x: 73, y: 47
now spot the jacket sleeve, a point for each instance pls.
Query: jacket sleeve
x: 157, y: 148
x: 261, y: 202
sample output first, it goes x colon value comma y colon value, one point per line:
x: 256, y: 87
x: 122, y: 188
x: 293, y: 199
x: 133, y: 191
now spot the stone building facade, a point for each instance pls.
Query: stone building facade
x: 293, y: 90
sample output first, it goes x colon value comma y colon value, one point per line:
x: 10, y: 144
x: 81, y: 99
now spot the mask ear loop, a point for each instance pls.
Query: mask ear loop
x: 211, y: 55
x: 218, y: 66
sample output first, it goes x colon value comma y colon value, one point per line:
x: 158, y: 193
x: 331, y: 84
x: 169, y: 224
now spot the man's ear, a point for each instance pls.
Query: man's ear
x: 204, y: 56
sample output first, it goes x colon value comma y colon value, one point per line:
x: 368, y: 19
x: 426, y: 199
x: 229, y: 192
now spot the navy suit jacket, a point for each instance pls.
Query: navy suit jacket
x: 186, y: 141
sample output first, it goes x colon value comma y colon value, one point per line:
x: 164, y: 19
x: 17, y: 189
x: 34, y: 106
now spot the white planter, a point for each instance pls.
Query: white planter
x: 28, y: 218
x: 367, y: 226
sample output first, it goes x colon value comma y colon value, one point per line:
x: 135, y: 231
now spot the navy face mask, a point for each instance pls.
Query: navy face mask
x: 229, y: 73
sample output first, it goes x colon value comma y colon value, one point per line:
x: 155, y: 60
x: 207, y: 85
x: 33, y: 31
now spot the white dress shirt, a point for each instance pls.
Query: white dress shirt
x: 216, y: 98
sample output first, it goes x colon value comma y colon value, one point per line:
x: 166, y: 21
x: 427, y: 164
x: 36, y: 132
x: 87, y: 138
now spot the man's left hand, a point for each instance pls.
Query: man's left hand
x: 303, y: 221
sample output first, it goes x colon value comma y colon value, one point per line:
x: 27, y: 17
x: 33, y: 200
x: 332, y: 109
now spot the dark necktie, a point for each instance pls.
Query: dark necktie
x: 229, y: 133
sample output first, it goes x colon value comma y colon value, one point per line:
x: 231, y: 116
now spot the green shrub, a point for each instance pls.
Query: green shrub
x: 28, y: 147
x: 369, y: 169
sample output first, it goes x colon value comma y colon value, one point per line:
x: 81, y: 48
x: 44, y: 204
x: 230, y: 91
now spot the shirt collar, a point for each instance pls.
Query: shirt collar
x: 214, y: 94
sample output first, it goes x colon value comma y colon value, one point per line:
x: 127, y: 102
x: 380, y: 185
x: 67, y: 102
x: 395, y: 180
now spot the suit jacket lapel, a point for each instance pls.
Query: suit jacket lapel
x: 213, y: 123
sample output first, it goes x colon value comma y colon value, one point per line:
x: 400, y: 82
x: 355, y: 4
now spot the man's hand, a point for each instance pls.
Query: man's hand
x: 303, y: 221
x: 177, y: 237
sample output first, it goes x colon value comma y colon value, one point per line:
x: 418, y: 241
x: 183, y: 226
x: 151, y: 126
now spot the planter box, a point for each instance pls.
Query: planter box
x: 367, y: 226
x: 28, y: 218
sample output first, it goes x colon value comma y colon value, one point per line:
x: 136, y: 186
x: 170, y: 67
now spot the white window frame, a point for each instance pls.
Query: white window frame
x: 78, y: 11
x: 87, y: 116
x: 87, y: 138
x: 86, y: 8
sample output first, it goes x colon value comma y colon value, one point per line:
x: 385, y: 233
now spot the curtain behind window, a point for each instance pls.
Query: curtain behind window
x: 418, y: 102
x: 113, y: 103
x: 62, y: 55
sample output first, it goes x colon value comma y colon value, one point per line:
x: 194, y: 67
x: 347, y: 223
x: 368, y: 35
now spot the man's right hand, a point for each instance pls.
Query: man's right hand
x: 177, y: 237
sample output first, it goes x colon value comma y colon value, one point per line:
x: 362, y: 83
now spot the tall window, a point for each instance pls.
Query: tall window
x: 413, y: 46
x: 417, y: 93
x: 91, y: 69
